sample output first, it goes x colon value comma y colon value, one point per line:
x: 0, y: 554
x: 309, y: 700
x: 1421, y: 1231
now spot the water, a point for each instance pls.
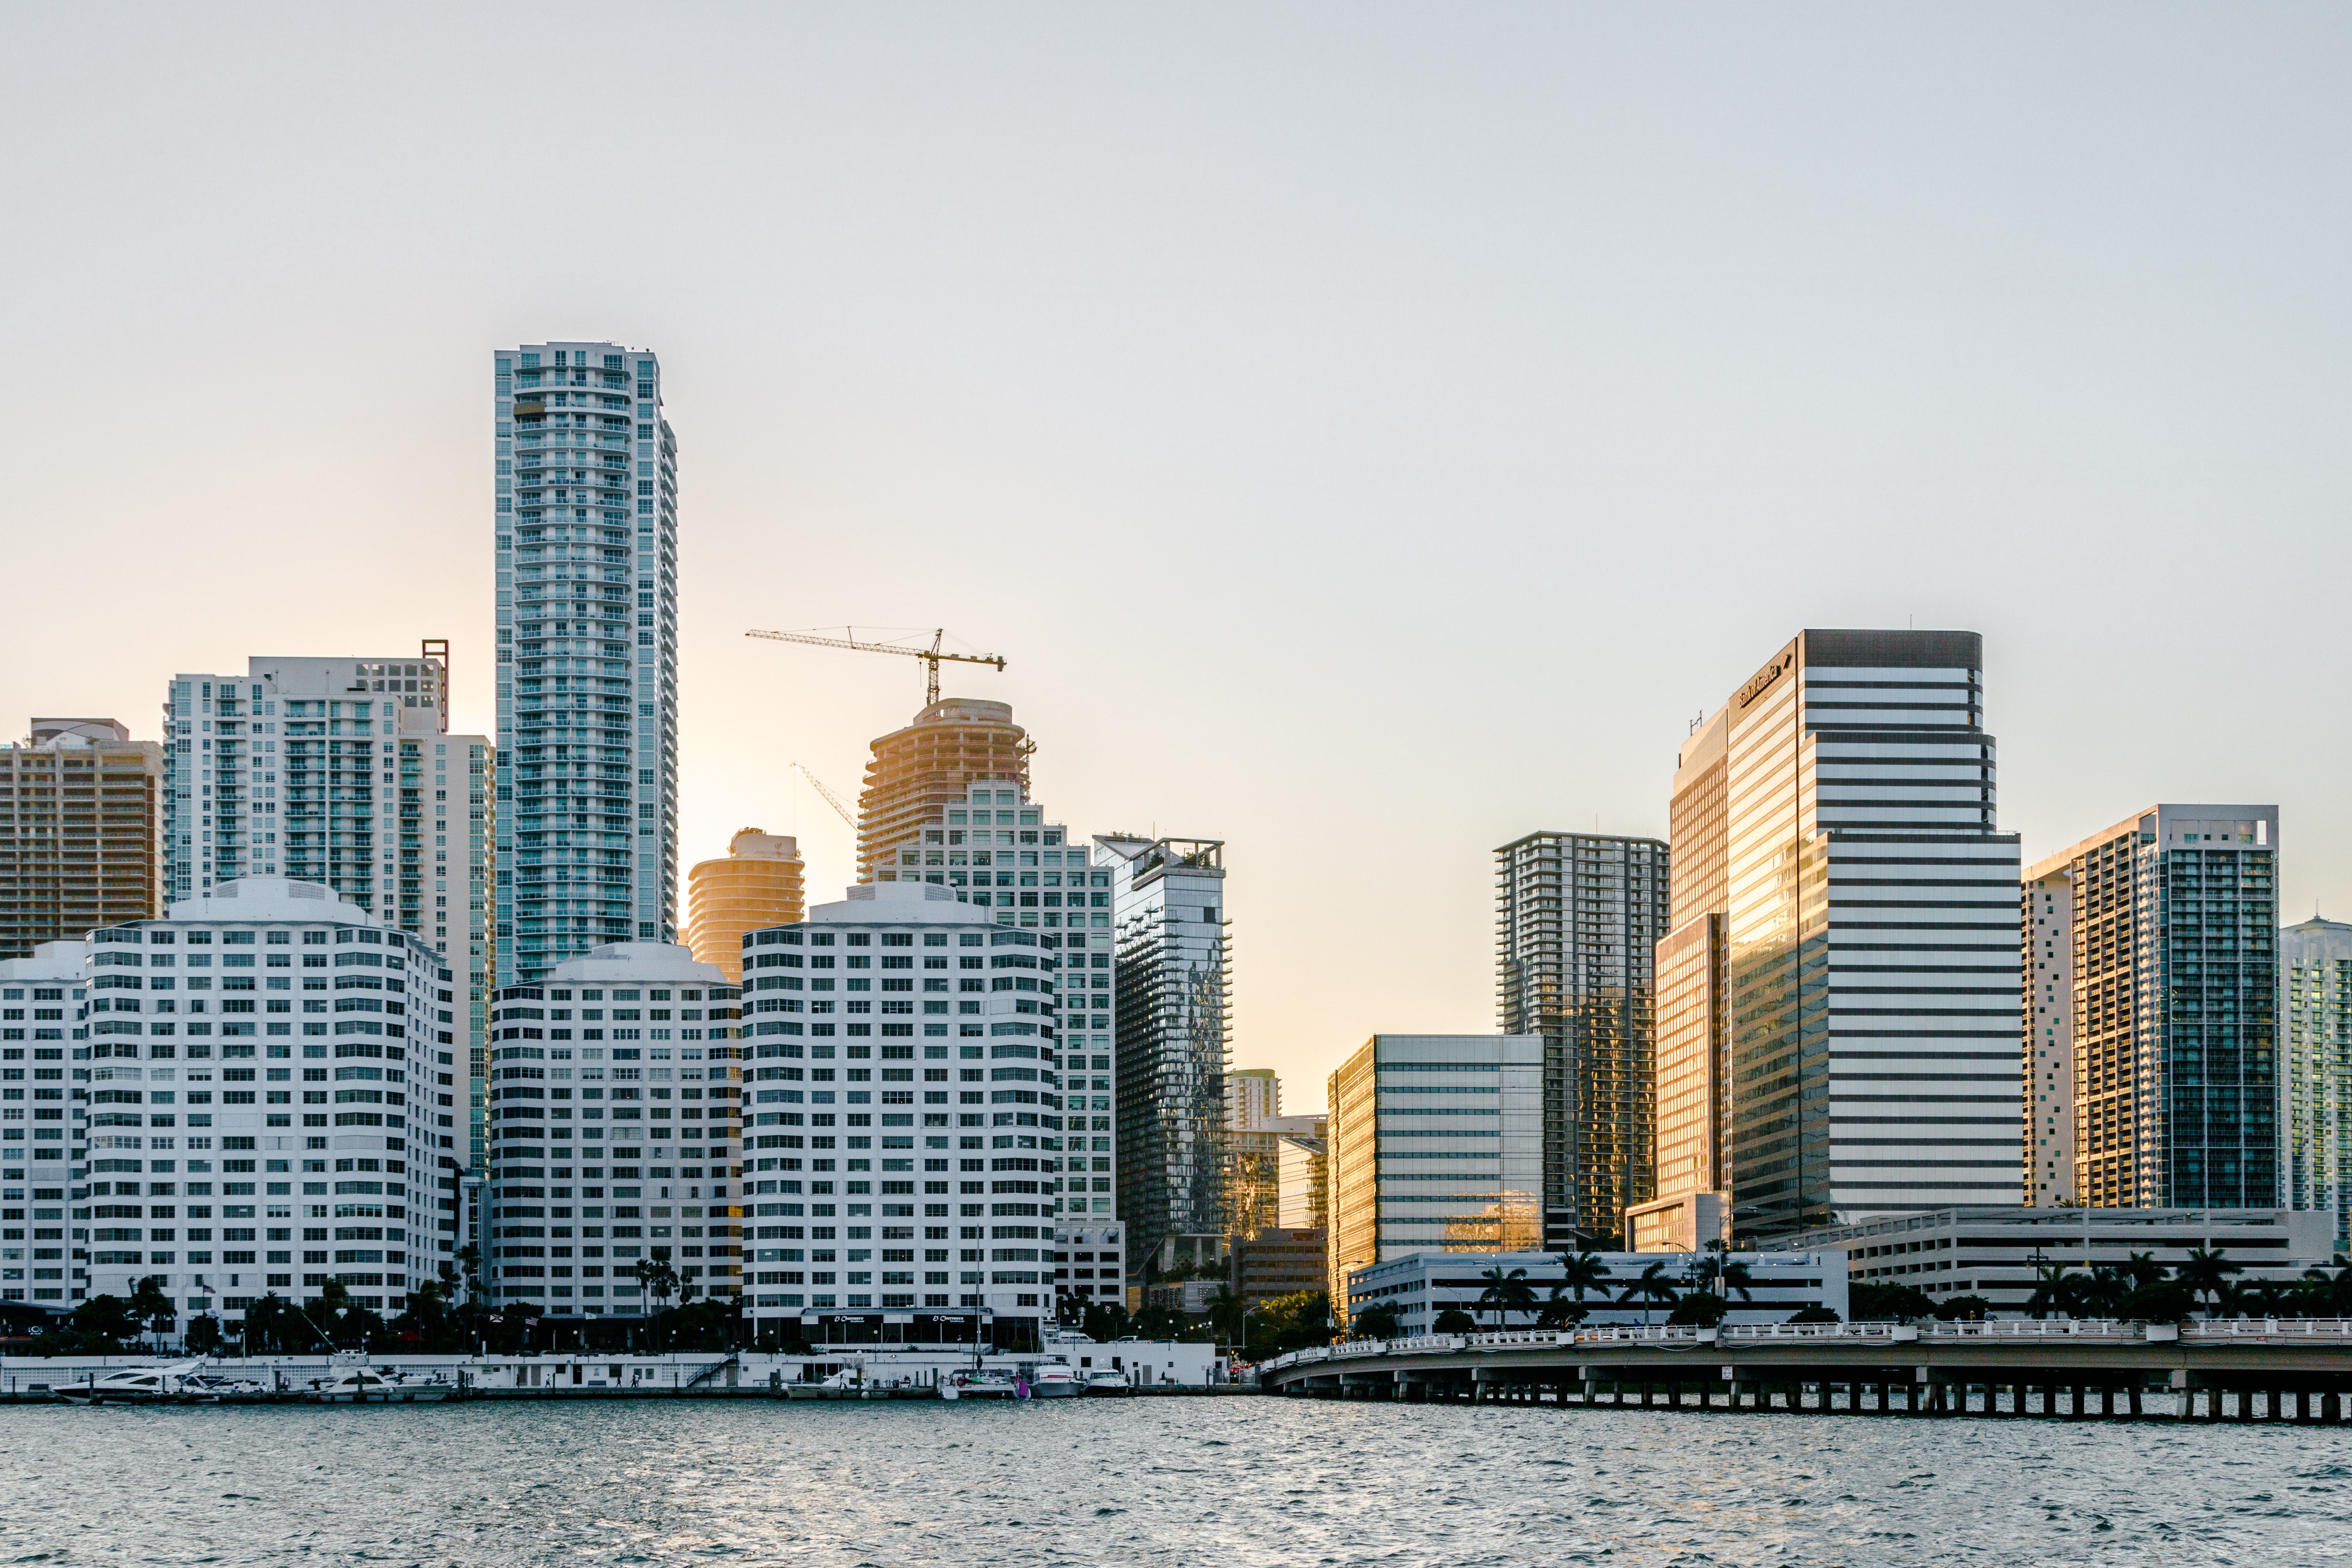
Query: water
x: 1220, y: 1483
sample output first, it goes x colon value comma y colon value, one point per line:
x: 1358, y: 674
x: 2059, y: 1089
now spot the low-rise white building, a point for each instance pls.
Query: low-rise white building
x: 1145, y: 1364
x: 1420, y: 1285
x: 1997, y: 1251
x: 259, y: 1068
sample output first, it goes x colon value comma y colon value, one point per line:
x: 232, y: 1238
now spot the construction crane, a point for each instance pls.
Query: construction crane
x: 930, y: 656
x: 831, y: 799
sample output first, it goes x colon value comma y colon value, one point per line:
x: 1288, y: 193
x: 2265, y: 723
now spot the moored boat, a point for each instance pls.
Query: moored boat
x: 165, y: 1383
x: 1109, y: 1381
x: 363, y: 1385
x: 1055, y: 1381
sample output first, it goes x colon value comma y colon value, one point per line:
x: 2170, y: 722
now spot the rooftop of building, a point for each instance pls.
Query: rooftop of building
x: 271, y: 899
x: 906, y: 903
x: 61, y: 961
x: 627, y: 963
x: 71, y: 733
x: 758, y: 843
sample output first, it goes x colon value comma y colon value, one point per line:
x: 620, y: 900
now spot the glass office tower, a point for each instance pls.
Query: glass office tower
x: 1869, y: 975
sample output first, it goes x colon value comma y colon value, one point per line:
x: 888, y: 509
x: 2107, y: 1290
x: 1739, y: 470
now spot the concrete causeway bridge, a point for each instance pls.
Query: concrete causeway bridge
x: 2278, y: 1369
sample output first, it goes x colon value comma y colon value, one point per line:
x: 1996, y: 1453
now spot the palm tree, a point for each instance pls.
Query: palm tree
x: 2330, y: 1293
x: 657, y: 1275
x: 2207, y: 1273
x: 2142, y: 1270
x: 1582, y: 1271
x: 1651, y: 1288
x: 2055, y: 1291
x: 1506, y: 1294
x: 1559, y: 1310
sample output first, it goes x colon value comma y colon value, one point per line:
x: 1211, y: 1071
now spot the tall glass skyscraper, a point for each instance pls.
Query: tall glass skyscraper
x: 1169, y: 935
x: 1578, y: 920
x: 1840, y: 821
x: 587, y: 654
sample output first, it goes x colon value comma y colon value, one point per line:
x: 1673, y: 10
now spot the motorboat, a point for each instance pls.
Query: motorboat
x: 170, y: 1382
x: 1109, y: 1380
x: 365, y: 1385
x: 1054, y: 1380
x: 222, y: 1387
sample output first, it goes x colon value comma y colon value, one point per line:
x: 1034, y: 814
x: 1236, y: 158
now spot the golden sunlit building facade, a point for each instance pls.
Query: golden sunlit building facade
x: 759, y: 883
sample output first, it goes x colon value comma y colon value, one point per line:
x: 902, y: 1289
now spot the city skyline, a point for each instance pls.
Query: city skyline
x: 1312, y: 427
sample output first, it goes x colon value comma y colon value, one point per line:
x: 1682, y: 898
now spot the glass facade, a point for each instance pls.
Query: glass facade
x: 1871, y: 934
x: 1436, y: 1145
x: 586, y: 537
x: 1578, y: 920
x: 1168, y: 933
x: 2156, y: 981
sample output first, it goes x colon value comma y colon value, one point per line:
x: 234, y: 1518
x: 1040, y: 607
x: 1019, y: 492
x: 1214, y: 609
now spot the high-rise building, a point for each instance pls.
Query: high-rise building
x: 230, y: 989
x: 365, y: 755
x: 1435, y: 1146
x: 1846, y: 1039
x: 1167, y: 898
x: 79, y: 824
x: 757, y: 884
x: 2315, y: 1113
x: 1578, y: 920
x: 1252, y: 1098
x: 918, y: 774
x: 964, y: 1125
x: 2154, y: 964
x: 1253, y: 1172
x: 1693, y: 1052
x: 586, y: 530
x: 1303, y: 1178
x: 642, y: 1035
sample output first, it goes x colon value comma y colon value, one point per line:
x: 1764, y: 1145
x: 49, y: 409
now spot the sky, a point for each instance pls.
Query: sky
x: 1371, y: 432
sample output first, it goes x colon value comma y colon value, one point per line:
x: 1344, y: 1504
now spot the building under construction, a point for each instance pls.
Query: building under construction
x: 917, y: 772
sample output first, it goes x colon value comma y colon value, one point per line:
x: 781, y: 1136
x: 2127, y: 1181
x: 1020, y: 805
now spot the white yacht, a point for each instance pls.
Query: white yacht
x: 163, y: 1384
x: 365, y: 1385
x: 1108, y: 1379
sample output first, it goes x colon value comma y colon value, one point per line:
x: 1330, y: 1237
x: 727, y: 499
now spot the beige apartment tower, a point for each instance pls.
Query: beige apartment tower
x: 917, y: 772
x: 2152, y: 1012
x: 79, y: 812
x: 758, y: 884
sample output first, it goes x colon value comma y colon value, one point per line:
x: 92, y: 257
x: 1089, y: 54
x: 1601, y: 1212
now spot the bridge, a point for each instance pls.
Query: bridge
x: 2277, y: 1369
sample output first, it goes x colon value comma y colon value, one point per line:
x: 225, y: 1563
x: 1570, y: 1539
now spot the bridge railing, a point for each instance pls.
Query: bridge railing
x: 2270, y: 1331
x: 2237, y: 1331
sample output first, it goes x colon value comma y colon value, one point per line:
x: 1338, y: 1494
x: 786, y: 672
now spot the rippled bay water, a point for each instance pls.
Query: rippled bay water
x: 1216, y: 1482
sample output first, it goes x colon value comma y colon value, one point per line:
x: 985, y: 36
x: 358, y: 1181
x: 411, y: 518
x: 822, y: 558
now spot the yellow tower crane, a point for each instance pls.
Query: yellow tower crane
x: 831, y: 799
x: 930, y: 656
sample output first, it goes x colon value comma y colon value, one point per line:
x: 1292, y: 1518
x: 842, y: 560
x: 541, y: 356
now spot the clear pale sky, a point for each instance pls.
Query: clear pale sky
x: 1372, y: 432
